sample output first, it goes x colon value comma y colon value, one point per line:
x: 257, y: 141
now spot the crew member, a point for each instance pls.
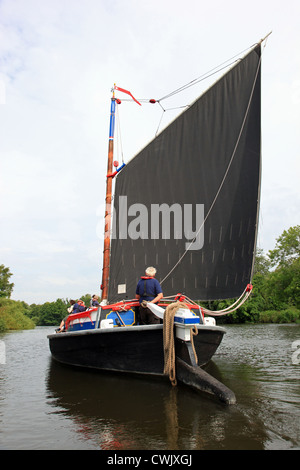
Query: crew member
x: 148, y: 289
x: 94, y: 301
x: 79, y: 306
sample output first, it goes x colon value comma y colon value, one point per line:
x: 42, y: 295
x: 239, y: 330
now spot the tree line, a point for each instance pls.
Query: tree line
x: 276, y: 284
x: 275, y: 297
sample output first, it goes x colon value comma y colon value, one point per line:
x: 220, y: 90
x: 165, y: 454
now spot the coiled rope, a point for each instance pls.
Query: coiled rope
x: 169, y: 343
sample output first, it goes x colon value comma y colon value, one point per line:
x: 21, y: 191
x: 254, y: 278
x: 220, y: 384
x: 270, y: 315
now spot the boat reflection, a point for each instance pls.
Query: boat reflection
x: 116, y: 412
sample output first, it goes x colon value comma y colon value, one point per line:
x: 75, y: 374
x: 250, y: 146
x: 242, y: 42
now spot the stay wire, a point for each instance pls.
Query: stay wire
x: 119, y: 134
x: 195, y: 81
x: 208, y: 74
x: 213, y: 71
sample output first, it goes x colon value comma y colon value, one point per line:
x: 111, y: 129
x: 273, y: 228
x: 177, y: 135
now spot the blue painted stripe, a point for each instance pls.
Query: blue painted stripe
x: 112, y: 119
x: 187, y: 321
x: 83, y: 326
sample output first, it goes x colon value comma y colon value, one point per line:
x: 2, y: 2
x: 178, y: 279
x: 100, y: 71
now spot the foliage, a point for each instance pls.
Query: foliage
x: 262, y: 264
x: 5, y: 286
x: 276, y: 293
x: 287, y: 248
x: 86, y: 299
x: 50, y: 313
x: 13, y: 315
x: 290, y: 315
x: 283, y: 286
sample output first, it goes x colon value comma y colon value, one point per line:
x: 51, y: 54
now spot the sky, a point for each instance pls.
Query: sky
x: 58, y: 62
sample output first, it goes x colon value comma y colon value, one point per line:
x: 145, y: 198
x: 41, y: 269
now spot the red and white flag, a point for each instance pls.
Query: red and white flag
x: 128, y: 93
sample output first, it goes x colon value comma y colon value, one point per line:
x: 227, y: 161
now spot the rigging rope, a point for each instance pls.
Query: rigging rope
x: 215, y: 313
x: 169, y: 343
x: 206, y: 75
x: 231, y: 308
x: 119, y: 140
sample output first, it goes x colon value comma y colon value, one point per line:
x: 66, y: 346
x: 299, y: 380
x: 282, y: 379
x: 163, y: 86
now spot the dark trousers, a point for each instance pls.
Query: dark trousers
x: 147, y: 317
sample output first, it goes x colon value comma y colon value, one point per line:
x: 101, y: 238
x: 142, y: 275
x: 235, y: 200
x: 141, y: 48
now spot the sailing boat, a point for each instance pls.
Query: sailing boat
x: 187, y: 203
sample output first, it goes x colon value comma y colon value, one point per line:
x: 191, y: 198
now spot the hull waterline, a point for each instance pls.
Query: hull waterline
x: 137, y: 349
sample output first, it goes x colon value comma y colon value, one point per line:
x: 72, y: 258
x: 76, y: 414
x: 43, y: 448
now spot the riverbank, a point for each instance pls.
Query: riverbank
x: 289, y: 315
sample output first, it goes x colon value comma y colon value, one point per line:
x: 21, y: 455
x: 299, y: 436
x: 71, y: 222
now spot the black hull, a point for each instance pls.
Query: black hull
x: 139, y: 350
x: 136, y: 349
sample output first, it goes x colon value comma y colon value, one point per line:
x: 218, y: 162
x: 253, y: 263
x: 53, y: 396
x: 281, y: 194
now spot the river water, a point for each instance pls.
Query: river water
x: 44, y: 405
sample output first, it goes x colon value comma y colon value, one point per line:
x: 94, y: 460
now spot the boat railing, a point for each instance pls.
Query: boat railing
x: 79, y: 316
x: 128, y: 304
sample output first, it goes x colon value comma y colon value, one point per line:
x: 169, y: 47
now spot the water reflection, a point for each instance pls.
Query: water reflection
x: 44, y: 405
x: 261, y: 371
x: 117, y: 412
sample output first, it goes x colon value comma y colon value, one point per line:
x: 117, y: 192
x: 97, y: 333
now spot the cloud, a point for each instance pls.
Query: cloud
x: 58, y: 62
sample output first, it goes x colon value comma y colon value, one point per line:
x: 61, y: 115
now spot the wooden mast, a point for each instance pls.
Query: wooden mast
x: 108, y: 199
x: 109, y: 177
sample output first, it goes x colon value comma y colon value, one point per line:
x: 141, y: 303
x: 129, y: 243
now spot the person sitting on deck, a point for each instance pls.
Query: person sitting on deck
x: 148, y: 289
x: 70, y: 310
x: 94, y: 301
x: 72, y: 303
x: 79, y: 306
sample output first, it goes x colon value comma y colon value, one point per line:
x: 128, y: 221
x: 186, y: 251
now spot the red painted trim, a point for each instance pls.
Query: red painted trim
x: 77, y: 316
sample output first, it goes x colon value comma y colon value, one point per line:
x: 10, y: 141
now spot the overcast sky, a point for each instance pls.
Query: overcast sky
x: 58, y: 62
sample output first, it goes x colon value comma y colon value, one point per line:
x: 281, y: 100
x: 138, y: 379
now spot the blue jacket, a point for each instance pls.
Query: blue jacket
x: 148, y: 288
x: 78, y: 308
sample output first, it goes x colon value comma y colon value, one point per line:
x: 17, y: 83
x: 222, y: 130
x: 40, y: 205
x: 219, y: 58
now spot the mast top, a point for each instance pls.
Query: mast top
x: 263, y: 39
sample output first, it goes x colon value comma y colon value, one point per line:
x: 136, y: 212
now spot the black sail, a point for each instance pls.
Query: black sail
x: 207, y: 160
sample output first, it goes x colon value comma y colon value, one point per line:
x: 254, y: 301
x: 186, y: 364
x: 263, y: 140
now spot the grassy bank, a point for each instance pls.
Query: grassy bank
x: 289, y: 315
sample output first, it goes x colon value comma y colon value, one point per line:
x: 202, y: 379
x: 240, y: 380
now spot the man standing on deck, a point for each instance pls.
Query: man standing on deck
x: 148, y: 289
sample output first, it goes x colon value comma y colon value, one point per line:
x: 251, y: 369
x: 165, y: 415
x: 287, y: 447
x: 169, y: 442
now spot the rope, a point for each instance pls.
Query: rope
x: 119, y: 140
x: 216, y: 313
x: 206, y: 75
x: 194, y: 332
x: 168, y: 109
x: 169, y: 344
x: 236, y: 305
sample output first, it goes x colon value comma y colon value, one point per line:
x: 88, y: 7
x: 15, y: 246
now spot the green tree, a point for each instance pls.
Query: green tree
x: 262, y: 263
x: 283, y: 286
x: 86, y: 299
x: 51, y: 313
x: 275, y: 292
x: 287, y: 247
x: 6, y: 287
x: 13, y: 315
x: 34, y: 313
